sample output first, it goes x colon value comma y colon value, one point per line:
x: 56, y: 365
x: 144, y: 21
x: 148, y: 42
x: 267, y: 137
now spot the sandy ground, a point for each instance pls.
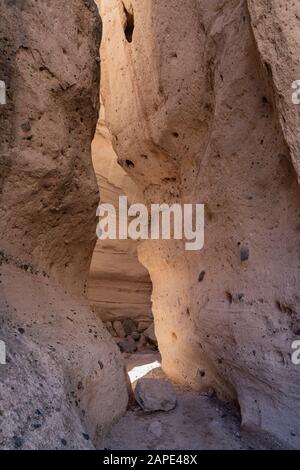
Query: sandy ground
x: 198, y: 422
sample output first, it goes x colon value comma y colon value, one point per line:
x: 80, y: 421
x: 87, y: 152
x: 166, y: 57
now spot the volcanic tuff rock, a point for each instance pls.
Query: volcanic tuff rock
x: 208, y: 87
x: 198, y: 106
x: 61, y: 362
x: 118, y: 286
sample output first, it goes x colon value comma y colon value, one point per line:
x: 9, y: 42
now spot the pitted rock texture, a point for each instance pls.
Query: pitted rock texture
x: 275, y: 26
x: 198, y: 98
x: 61, y: 362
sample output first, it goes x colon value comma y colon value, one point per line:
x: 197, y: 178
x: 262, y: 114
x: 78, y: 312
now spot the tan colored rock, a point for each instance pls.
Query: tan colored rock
x: 61, y: 363
x: 208, y: 88
x: 110, y: 328
x: 129, y: 326
x: 142, y: 326
x: 276, y: 30
x: 118, y: 286
x: 119, y: 329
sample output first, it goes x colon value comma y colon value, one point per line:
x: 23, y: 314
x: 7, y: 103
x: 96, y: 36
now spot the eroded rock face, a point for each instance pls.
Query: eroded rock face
x: 276, y: 30
x: 199, y: 100
x: 119, y: 286
x: 61, y: 363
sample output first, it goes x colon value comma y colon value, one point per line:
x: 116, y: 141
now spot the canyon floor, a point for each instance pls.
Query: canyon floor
x: 199, y: 422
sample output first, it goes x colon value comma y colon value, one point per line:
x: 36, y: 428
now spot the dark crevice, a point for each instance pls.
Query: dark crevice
x: 129, y: 163
x: 129, y: 24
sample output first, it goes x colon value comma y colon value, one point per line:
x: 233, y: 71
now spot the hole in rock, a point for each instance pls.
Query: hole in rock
x: 129, y: 163
x: 129, y: 24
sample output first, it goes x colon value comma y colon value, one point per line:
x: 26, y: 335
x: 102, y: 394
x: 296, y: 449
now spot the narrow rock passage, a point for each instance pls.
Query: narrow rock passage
x: 199, y: 421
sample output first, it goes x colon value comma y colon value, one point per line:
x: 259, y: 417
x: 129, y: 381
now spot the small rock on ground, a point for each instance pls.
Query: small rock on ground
x: 155, y: 428
x: 129, y: 326
x: 119, y: 329
x: 127, y: 345
x: 155, y: 395
x: 150, y: 334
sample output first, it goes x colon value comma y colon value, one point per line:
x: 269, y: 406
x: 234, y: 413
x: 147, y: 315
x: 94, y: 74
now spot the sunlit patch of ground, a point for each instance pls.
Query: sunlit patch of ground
x: 198, y: 422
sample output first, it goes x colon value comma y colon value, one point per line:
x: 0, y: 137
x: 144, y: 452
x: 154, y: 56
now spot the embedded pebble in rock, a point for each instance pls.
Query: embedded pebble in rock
x: 244, y: 253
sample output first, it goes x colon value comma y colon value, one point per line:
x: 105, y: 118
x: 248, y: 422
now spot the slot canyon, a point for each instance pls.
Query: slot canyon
x: 166, y: 102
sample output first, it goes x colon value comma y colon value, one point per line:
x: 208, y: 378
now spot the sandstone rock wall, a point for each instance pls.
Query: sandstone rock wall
x: 198, y: 98
x: 61, y: 363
